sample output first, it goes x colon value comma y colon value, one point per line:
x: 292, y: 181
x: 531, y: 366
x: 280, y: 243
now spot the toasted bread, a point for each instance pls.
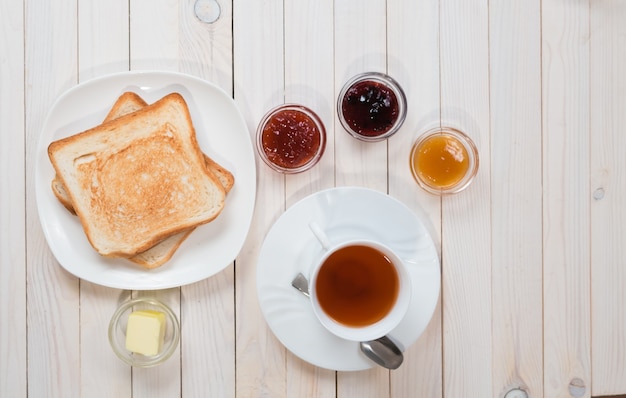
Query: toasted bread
x: 160, y: 253
x: 225, y: 177
x: 61, y: 194
x: 138, y: 179
x: 127, y: 103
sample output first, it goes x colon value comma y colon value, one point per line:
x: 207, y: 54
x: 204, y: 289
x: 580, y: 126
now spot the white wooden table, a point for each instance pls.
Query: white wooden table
x: 533, y: 275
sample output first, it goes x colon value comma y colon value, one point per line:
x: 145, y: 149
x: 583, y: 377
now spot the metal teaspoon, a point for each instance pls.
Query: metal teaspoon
x: 382, y: 351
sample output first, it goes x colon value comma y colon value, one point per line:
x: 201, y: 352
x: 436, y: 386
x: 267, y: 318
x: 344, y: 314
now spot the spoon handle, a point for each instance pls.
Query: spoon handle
x: 320, y: 235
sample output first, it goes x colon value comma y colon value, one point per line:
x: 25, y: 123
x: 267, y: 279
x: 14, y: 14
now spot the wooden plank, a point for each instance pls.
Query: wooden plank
x: 13, y: 379
x: 97, y: 305
x: 515, y: 64
x: 466, y: 224
x: 154, y: 35
x: 259, y: 74
x: 565, y: 98
x: 356, y: 162
x: 163, y: 380
x: 103, y: 38
x: 53, y: 294
x: 207, y: 307
x: 206, y: 49
x: 308, y: 68
x: 413, y: 58
x: 208, y: 348
x: 608, y: 218
x: 155, y: 45
x: 360, y: 163
x: 102, y: 48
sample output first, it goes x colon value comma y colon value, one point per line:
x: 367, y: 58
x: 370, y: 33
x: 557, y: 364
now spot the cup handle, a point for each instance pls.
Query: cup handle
x: 320, y: 235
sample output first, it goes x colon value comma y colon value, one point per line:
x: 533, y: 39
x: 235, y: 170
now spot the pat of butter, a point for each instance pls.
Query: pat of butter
x: 145, y: 332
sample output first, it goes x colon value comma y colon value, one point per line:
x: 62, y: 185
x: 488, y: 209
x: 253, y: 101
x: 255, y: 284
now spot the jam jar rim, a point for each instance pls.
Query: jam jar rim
x: 309, y: 113
x: 472, y: 152
x: 388, y: 81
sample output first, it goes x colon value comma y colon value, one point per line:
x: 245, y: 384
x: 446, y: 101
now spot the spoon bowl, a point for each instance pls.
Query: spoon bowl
x: 383, y: 351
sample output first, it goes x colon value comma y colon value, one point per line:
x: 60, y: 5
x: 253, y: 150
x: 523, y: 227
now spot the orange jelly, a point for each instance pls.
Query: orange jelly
x: 440, y: 161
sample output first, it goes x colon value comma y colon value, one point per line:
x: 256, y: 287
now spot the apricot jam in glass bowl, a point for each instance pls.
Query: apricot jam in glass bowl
x: 371, y: 106
x: 291, y: 138
x: 444, y: 160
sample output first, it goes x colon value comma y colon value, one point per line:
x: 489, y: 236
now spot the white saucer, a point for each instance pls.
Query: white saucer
x: 290, y: 247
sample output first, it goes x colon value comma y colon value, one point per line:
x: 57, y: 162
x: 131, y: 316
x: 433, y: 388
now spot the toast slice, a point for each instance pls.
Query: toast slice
x: 138, y: 179
x: 128, y: 102
x: 225, y: 177
x: 163, y: 251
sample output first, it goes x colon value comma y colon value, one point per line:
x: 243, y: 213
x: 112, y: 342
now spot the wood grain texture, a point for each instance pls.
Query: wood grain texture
x: 208, y: 344
x: 102, y: 49
x: 308, y: 64
x: 97, y: 305
x: 103, y: 38
x: 309, y: 67
x: 413, y: 59
x: 532, y: 272
x: 163, y: 380
x: 566, y: 252
x: 515, y: 101
x: 608, y: 193
x: 466, y: 218
x: 208, y: 341
x: 360, y: 163
x: 154, y: 31
x: 53, y: 322
x: 356, y: 162
x: 154, y: 35
x: 12, y: 196
x: 206, y: 49
x: 259, y: 76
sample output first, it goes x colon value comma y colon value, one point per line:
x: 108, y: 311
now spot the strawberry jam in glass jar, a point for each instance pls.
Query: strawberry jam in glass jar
x: 371, y: 106
x: 291, y: 138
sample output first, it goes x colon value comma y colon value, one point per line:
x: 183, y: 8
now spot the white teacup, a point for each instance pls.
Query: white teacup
x: 360, y: 289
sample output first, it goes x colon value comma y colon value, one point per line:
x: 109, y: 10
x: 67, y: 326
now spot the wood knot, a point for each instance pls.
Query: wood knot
x: 598, y: 194
x: 577, y: 388
x: 516, y: 393
x: 207, y: 11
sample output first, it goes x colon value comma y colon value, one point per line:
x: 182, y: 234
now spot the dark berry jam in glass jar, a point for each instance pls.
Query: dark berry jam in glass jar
x: 371, y: 106
x: 291, y: 138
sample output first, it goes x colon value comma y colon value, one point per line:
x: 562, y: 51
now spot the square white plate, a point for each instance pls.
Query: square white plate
x: 222, y: 134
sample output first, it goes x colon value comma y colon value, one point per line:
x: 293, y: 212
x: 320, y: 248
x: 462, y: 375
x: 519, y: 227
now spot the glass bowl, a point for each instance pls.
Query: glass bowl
x: 444, y: 161
x: 371, y: 106
x: 117, y: 332
x: 291, y: 138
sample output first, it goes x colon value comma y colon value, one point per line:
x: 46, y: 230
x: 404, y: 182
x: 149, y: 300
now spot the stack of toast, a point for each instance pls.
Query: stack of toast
x: 139, y: 182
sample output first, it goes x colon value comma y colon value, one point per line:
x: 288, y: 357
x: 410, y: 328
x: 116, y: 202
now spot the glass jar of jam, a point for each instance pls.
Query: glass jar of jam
x: 371, y: 106
x: 444, y: 160
x: 291, y: 138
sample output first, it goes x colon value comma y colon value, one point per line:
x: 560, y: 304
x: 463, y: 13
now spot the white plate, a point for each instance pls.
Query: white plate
x: 222, y: 134
x: 290, y: 247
